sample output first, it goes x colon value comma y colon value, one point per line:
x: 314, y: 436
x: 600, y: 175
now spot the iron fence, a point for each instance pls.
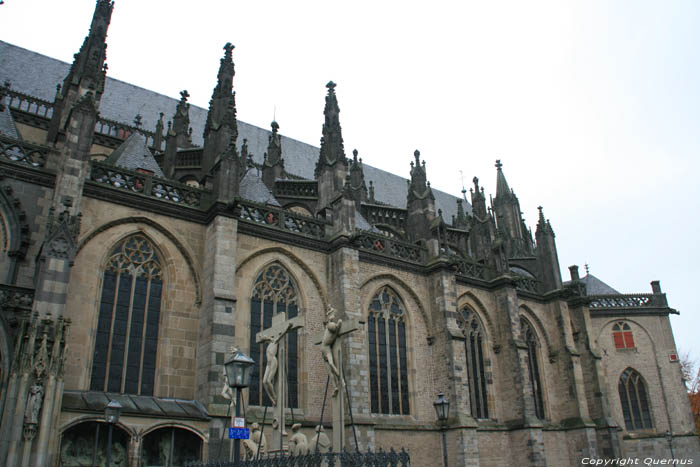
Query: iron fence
x: 379, y: 458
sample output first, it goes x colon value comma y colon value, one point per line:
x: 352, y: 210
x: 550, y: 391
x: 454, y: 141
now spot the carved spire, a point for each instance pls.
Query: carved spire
x: 355, y: 184
x: 420, y: 204
x: 181, y: 120
x: 502, y: 188
x: 158, y: 139
x: 332, y: 150
x: 87, y: 73
x: 419, y: 186
x: 546, y: 253
x: 273, y: 164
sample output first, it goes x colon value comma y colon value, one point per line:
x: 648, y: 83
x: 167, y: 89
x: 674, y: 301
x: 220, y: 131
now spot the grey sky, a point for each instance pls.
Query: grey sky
x: 593, y: 106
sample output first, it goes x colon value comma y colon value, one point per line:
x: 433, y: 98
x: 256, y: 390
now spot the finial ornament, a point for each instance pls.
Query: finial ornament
x: 275, y: 126
x: 229, y: 48
x: 587, y: 268
x: 498, y: 164
x: 138, y: 121
x: 184, y: 95
x: 354, y: 155
x: 331, y: 86
x: 416, y: 154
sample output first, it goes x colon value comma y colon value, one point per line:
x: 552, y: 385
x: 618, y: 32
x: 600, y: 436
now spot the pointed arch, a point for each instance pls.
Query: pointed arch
x: 296, y: 260
x: 474, y: 348
x: 128, y: 318
x: 14, y: 234
x: 634, y: 400
x: 184, y: 251
x: 390, y: 279
x: 388, y: 364
x: 274, y: 291
x: 529, y: 336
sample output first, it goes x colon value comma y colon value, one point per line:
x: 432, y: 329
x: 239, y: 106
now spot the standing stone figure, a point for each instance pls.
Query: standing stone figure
x: 320, y: 442
x: 272, y: 364
x: 330, y: 334
x: 34, y: 401
x: 257, y: 436
x: 298, y: 444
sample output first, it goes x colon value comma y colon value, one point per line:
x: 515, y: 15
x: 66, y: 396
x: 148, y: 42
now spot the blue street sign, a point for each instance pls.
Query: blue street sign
x: 238, y: 433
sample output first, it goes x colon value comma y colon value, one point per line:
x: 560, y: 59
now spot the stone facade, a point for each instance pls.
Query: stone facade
x: 532, y: 365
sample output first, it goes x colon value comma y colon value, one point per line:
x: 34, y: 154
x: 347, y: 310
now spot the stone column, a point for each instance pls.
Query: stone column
x: 218, y: 315
x: 527, y: 442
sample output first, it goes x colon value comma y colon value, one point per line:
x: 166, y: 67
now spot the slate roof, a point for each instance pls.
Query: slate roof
x: 252, y: 188
x: 134, y: 154
x: 7, y: 124
x: 150, y: 406
x: 122, y: 101
x: 595, y: 286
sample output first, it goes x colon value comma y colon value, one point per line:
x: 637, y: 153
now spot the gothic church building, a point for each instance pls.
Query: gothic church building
x: 135, y: 250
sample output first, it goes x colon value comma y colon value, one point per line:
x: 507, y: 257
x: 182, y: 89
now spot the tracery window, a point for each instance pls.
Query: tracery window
x: 274, y: 292
x: 85, y: 444
x: 634, y: 400
x: 474, y: 351
x: 388, y: 368
x: 533, y: 366
x: 622, y: 336
x: 127, y: 327
x: 171, y: 447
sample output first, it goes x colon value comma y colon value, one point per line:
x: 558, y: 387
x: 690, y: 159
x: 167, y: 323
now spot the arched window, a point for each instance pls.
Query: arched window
x: 274, y: 292
x: 622, y: 336
x: 474, y: 350
x: 127, y: 327
x: 171, y: 447
x: 634, y: 400
x: 533, y: 366
x: 85, y: 444
x: 388, y: 368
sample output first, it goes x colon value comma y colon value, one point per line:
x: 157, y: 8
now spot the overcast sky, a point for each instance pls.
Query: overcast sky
x: 592, y: 106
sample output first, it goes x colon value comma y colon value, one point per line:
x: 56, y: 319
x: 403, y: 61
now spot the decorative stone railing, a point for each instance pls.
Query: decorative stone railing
x: 528, y: 284
x: 622, y: 301
x: 32, y: 105
x: 136, y: 182
x: 122, y: 131
x: 281, y: 219
x: 472, y: 270
x: 387, y: 215
x: 389, y: 246
x: 23, y: 152
x: 296, y: 188
x: 17, y: 298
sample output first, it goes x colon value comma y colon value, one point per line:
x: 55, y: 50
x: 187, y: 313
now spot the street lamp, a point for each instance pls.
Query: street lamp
x: 669, y: 438
x: 112, y: 412
x: 238, y: 374
x: 442, y: 409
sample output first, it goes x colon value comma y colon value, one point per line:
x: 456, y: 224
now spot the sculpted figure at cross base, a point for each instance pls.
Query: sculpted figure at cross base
x: 320, y: 442
x: 272, y: 362
x: 298, y: 444
x: 330, y: 334
x: 227, y: 390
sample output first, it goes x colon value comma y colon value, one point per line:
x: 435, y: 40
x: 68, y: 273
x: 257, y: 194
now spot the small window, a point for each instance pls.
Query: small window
x: 622, y: 336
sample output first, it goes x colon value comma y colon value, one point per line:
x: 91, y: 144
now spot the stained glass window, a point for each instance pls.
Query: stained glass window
x: 274, y: 292
x: 473, y: 331
x: 129, y: 315
x: 533, y: 365
x: 634, y: 400
x: 388, y: 366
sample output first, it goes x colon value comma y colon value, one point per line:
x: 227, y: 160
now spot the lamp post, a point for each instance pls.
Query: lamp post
x: 442, y: 409
x: 238, y: 373
x: 112, y: 412
x: 669, y: 438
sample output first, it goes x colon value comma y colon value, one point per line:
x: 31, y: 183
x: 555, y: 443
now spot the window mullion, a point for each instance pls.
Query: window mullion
x: 143, y: 332
x: 111, y: 330
x: 128, y: 330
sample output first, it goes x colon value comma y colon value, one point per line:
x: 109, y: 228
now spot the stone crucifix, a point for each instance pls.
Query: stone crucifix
x: 332, y: 351
x: 275, y: 376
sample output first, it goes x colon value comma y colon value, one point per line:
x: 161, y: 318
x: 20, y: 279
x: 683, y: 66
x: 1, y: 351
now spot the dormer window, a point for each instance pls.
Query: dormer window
x: 622, y: 336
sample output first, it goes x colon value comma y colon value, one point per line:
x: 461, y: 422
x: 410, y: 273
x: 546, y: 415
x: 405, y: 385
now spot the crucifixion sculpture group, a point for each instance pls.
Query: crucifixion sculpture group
x: 275, y: 378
